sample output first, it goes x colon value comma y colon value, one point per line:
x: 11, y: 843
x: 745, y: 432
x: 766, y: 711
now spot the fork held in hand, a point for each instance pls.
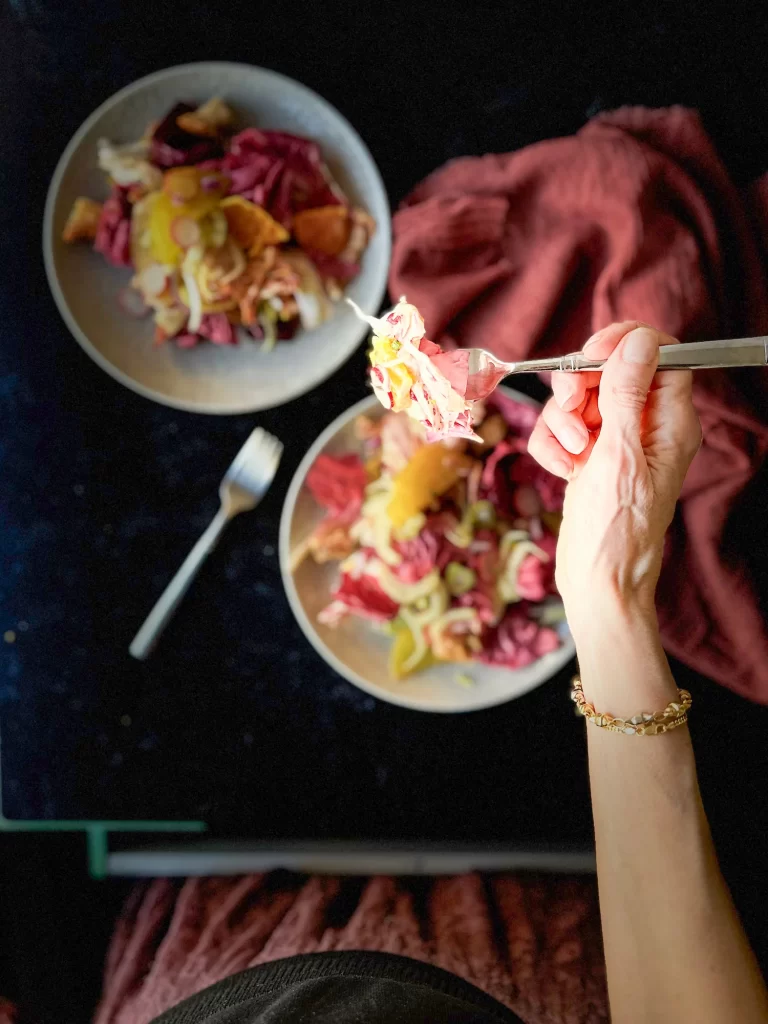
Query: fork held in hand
x: 245, y: 483
x: 486, y: 371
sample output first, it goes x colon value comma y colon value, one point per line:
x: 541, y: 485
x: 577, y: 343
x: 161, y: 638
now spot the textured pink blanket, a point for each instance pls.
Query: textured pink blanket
x: 533, y: 943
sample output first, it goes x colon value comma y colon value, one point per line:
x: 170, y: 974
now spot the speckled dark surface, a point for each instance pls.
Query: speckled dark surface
x: 235, y: 720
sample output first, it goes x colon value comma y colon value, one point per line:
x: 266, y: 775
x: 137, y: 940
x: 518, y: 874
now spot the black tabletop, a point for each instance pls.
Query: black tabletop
x: 235, y: 720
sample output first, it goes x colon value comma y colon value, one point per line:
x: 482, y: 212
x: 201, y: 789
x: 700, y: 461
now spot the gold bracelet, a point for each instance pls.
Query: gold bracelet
x: 644, y: 724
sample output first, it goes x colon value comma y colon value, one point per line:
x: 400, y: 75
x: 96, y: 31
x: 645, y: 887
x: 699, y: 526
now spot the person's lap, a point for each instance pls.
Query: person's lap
x: 532, y: 942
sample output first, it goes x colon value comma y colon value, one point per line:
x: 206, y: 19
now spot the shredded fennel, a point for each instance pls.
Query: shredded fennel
x: 454, y: 615
x: 374, y: 528
x: 418, y: 619
x: 516, y: 552
x: 403, y: 593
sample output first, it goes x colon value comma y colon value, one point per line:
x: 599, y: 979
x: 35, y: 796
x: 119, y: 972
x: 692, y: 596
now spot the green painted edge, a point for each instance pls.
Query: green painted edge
x: 67, y: 825
x: 97, y: 832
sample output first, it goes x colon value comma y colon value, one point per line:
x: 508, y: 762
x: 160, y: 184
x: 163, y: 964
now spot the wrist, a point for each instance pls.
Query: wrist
x: 620, y: 590
x: 622, y: 663
x: 604, y: 612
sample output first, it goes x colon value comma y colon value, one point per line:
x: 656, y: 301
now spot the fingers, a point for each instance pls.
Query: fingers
x: 681, y: 382
x: 570, y: 389
x: 547, y: 450
x: 567, y: 427
x: 590, y: 414
x: 673, y: 389
x: 626, y: 381
x: 544, y: 446
x: 673, y: 403
x: 566, y: 431
x: 675, y: 419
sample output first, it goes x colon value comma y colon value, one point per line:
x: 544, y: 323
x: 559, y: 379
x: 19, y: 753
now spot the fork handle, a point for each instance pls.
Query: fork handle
x: 691, y: 355
x: 146, y: 638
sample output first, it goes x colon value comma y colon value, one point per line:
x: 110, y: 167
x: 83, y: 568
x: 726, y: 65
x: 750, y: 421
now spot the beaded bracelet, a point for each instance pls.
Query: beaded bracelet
x: 644, y: 724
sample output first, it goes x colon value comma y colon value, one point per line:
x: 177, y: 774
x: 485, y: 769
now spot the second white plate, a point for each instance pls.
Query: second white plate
x: 357, y: 651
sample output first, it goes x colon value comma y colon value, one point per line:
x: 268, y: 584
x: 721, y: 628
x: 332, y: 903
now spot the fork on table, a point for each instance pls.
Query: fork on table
x: 244, y: 485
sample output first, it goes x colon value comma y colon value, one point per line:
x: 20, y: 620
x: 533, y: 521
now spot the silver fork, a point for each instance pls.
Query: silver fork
x: 244, y: 485
x: 486, y: 371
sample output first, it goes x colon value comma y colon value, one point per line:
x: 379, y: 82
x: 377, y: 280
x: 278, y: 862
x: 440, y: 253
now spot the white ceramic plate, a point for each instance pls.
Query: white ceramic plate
x: 209, y: 378
x: 357, y: 651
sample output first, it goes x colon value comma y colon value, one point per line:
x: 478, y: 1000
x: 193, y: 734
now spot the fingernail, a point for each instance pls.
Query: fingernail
x: 569, y: 396
x: 640, y: 346
x: 576, y: 440
x: 562, y: 468
x: 570, y: 403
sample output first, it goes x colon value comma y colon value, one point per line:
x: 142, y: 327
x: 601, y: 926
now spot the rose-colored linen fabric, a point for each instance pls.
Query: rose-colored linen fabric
x: 7, y: 1012
x: 632, y: 218
x: 531, y: 942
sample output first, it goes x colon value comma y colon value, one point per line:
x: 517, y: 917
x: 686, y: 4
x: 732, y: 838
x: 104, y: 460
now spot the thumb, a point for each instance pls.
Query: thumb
x: 626, y: 380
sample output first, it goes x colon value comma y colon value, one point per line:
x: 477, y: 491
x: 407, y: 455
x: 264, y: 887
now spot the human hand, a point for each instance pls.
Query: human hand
x: 624, y: 439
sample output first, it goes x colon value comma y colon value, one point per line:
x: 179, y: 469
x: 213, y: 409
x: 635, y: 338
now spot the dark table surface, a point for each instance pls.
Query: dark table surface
x: 235, y: 720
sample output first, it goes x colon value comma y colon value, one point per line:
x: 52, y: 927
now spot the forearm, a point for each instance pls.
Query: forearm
x: 674, y: 947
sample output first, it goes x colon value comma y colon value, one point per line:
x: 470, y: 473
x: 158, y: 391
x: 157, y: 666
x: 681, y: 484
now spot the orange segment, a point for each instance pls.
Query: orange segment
x: 431, y: 471
x: 83, y: 221
x: 195, y: 125
x: 251, y: 226
x: 326, y: 229
x: 194, y: 189
x: 182, y: 184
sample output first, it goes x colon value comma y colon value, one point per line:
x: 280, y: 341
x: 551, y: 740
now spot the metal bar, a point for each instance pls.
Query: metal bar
x: 341, y: 860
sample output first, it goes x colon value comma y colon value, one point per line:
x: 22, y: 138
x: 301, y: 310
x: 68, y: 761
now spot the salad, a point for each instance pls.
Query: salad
x: 412, y: 374
x: 448, y: 547
x: 228, y: 234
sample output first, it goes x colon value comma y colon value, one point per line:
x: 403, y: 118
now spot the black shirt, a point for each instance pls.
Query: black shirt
x: 336, y: 988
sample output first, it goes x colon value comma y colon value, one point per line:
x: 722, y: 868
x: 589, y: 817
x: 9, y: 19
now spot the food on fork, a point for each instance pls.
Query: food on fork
x: 230, y: 235
x: 447, y: 547
x: 412, y: 374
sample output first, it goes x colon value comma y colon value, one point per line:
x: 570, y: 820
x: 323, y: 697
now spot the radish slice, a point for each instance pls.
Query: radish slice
x: 132, y: 303
x: 185, y: 232
x: 153, y: 280
x: 186, y: 340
